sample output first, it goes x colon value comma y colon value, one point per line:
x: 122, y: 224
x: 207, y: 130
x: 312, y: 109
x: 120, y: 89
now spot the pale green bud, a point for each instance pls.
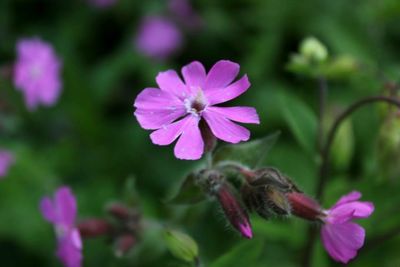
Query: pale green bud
x: 313, y: 50
x: 181, y: 245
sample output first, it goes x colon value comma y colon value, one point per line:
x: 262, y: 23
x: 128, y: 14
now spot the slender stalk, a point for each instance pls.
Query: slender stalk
x: 324, y: 170
x: 324, y: 167
x: 322, y: 95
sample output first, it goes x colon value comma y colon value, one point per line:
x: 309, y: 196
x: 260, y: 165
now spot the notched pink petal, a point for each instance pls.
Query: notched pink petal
x: 224, y: 129
x: 66, y: 206
x: 156, y: 99
x: 155, y: 119
x: 47, y: 209
x: 169, y: 81
x: 342, y: 241
x: 221, y: 74
x: 190, y: 145
x: 168, y: 134
x: 224, y: 94
x: 358, y: 209
x: 238, y: 114
x: 352, y: 196
x: 194, y: 75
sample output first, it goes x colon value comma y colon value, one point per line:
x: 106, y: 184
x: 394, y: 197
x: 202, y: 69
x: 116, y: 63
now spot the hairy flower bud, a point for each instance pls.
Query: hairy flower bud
x: 94, y: 227
x: 305, y: 207
x: 266, y: 193
x: 234, y: 211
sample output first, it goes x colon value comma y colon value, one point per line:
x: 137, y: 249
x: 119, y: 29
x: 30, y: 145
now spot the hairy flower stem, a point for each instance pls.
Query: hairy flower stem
x: 323, y: 174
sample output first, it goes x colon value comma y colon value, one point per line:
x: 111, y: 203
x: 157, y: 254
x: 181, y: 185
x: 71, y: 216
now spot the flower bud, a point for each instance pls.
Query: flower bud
x: 118, y: 210
x: 123, y: 244
x: 94, y: 228
x: 181, y: 245
x: 305, y: 207
x: 313, y: 50
x: 234, y: 211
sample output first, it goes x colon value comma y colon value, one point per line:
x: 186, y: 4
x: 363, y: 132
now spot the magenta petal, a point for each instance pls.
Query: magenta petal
x: 357, y: 209
x: 342, y: 241
x: 69, y: 249
x: 221, y: 95
x: 352, y: 196
x: 221, y: 74
x: 239, y: 114
x: 47, y: 209
x: 169, y: 81
x: 167, y: 134
x: 194, y: 75
x: 66, y: 206
x: 190, y: 145
x: 224, y: 129
x: 152, y: 120
x: 156, y: 99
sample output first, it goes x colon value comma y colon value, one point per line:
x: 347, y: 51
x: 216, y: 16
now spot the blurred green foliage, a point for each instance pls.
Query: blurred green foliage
x: 91, y: 141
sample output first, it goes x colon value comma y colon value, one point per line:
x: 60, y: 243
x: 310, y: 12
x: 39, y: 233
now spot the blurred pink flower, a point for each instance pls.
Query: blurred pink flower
x: 340, y: 236
x: 37, y: 72
x: 102, y: 3
x: 176, y: 109
x: 61, y: 212
x: 158, y: 37
x: 185, y: 14
x: 6, y: 160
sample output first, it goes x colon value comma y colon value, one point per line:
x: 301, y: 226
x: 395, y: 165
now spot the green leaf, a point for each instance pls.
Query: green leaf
x: 189, y: 192
x: 244, y: 254
x: 250, y: 154
x: 301, y: 120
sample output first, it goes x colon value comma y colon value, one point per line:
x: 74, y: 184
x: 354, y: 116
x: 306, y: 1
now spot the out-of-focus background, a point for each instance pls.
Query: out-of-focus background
x: 91, y: 141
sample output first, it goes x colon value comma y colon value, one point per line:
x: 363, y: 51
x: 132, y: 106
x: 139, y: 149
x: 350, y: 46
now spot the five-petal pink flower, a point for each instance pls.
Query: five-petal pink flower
x: 37, y: 72
x: 341, y: 237
x: 61, y: 212
x: 6, y: 160
x: 174, y: 111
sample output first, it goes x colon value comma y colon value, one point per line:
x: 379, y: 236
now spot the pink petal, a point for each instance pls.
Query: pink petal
x: 224, y: 94
x: 190, y: 145
x: 221, y: 74
x: 155, y: 119
x: 239, y: 114
x: 47, y: 209
x: 167, y: 134
x: 66, y: 206
x: 169, y: 81
x: 352, y: 196
x: 156, y: 99
x: 194, y: 75
x: 342, y: 241
x: 224, y: 129
x: 70, y: 250
x: 358, y: 210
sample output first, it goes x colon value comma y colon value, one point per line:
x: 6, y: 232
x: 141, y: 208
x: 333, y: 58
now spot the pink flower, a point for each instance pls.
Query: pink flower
x: 6, y: 160
x: 341, y: 237
x: 61, y: 212
x: 37, y: 72
x: 158, y: 37
x: 102, y: 3
x: 175, y: 110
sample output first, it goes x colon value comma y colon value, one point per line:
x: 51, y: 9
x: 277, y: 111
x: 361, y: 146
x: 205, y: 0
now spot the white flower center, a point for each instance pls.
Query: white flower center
x: 196, y: 104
